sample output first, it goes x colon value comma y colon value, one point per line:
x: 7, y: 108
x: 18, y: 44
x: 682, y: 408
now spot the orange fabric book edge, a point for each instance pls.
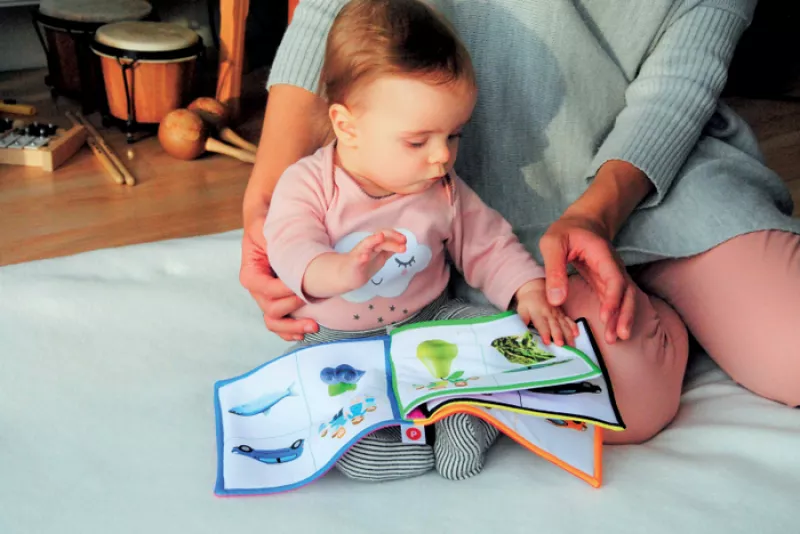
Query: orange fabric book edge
x: 595, y: 481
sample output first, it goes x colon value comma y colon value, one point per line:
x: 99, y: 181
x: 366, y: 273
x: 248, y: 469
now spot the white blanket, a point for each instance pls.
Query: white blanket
x: 107, y: 366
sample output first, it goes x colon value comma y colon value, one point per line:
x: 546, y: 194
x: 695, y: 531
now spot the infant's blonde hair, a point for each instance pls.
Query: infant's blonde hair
x: 374, y: 38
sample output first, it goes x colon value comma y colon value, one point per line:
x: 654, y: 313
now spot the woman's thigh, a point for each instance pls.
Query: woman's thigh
x: 741, y: 301
x: 646, y: 370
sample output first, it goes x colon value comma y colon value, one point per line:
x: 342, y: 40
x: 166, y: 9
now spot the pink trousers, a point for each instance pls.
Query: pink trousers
x: 741, y: 302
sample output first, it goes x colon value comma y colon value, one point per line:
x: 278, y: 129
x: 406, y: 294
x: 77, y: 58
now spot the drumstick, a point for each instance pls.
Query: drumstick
x: 107, y: 164
x: 112, y: 170
x: 129, y: 179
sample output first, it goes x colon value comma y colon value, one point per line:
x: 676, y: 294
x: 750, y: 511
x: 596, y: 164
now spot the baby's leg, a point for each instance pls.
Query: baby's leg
x: 381, y: 455
x: 741, y: 300
x: 462, y: 440
x: 646, y: 370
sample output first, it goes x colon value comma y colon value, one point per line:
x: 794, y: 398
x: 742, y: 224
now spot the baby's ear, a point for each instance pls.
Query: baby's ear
x: 343, y: 124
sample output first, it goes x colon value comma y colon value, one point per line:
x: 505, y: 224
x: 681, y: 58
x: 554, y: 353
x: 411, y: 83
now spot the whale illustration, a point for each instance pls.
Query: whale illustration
x: 264, y: 403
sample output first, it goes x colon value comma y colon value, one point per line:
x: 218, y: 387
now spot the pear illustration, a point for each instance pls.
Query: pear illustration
x: 437, y: 356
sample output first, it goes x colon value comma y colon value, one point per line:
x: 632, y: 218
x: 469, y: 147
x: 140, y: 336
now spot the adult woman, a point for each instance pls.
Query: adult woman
x: 599, y: 135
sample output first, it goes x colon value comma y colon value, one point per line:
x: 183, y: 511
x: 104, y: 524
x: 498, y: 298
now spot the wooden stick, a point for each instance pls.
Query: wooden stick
x: 105, y: 161
x: 227, y: 134
x: 111, y: 169
x: 101, y: 143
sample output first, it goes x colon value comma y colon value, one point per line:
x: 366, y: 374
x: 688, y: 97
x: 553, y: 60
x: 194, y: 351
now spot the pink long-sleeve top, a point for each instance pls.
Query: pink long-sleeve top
x: 317, y: 208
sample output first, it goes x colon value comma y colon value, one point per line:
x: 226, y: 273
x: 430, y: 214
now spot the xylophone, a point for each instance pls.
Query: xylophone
x: 38, y: 145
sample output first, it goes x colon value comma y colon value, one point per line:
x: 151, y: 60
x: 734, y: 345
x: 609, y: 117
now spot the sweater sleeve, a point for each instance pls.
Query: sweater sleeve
x: 298, y: 60
x: 295, y: 229
x: 675, y: 91
x: 485, y: 250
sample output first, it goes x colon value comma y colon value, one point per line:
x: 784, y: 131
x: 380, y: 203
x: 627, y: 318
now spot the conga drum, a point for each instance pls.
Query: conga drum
x: 65, y: 29
x: 148, y: 69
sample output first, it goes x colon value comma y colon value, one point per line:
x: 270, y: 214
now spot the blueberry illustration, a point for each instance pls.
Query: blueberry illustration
x: 348, y: 374
x: 328, y: 376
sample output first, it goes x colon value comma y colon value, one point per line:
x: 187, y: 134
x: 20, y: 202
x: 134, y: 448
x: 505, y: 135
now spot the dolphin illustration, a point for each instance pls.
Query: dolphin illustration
x: 264, y: 403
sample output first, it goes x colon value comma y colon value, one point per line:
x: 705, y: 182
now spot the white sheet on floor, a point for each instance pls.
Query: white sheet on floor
x: 107, y: 366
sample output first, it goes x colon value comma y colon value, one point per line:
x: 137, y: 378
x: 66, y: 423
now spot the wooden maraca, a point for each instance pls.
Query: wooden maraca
x: 184, y: 135
x: 216, y: 114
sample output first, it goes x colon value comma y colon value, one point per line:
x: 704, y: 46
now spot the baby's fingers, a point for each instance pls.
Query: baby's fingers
x: 542, y: 325
x: 555, y: 331
x: 393, y: 241
x: 569, y: 329
x: 365, y: 249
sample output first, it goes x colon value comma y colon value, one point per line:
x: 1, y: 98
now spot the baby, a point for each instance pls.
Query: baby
x: 365, y: 229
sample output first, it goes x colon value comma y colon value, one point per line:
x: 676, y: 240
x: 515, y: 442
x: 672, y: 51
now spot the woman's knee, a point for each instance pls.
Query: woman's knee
x: 741, y: 300
x: 646, y: 370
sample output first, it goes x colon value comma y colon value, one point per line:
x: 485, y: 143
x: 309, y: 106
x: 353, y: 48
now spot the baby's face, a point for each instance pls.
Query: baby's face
x: 408, y: 132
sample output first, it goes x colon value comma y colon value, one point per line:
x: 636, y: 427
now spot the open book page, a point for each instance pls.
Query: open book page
x: 591, y: 401
x: 572, y: 445
x: 286, y: 423
x: 485, y: 355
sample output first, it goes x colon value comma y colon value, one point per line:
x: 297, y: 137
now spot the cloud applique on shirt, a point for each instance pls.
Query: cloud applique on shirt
x: 393, y: 279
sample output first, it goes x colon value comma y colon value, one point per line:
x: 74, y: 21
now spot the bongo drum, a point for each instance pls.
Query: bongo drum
x: 69, y: 27
x: 148, y: 69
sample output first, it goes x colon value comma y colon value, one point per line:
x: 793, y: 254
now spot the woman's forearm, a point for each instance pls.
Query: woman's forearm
x: 295, y: 125
x: 616, y: 190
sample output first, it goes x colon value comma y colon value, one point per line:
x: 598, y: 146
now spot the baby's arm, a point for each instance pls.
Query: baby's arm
x: 485, y: 248
x: 299, y: 246
x: 332, y: 273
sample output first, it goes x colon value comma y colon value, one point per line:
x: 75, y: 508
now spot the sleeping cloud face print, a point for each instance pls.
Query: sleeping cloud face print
x: 393, y: 279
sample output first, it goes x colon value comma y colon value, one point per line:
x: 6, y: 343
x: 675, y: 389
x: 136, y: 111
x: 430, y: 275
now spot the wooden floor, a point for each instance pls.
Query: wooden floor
x: 77, y: 208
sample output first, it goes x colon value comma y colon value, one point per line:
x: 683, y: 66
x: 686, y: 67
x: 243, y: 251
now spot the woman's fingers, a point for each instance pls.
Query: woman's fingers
x: 289, y: 329
x: 625, y: 323
x: 610, y: 283
x: 555, y: 251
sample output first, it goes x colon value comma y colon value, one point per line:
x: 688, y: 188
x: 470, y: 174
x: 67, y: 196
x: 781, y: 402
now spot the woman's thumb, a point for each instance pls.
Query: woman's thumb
x: 554, y: 253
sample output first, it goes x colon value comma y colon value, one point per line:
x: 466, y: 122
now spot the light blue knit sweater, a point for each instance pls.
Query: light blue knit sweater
x: 566, y: 85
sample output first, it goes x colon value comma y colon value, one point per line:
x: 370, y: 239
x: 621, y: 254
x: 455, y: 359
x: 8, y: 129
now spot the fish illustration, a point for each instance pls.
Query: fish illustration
x: 522, y: 350
x: 264, y: 403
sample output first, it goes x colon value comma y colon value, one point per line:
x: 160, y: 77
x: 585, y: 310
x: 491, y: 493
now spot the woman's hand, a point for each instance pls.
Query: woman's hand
x: 582, y: 237
x: 582, y: 242
x: 295, y: 125
x: 273, y: 297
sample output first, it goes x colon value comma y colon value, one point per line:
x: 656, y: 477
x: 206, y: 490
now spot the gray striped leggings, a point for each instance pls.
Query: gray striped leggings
x: 461, y: 440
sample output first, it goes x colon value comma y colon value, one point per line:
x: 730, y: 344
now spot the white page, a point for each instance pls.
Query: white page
x: 307, y: 426
x: 459, y: 359
x: 589, y: 399
x: 573, y: 444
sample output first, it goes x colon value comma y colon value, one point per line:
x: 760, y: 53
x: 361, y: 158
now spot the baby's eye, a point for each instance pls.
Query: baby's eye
x: 416, y: 144
x: 404, y: 264
x: 455, y: 136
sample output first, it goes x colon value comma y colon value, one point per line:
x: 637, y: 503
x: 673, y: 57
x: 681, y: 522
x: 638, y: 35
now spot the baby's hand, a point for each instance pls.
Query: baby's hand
x: 370, y: 255
x: 549, y: 321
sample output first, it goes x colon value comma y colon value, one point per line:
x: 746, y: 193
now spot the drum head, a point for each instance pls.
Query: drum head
x: 101, y: 11
x: 142, y: 36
